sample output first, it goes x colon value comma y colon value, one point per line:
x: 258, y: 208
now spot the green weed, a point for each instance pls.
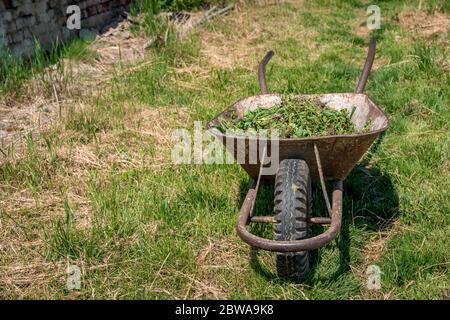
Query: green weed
x: 293, y: 118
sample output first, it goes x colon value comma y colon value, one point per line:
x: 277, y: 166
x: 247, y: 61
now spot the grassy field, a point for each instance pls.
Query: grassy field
x: 99, y: 190
x: 15, y: 72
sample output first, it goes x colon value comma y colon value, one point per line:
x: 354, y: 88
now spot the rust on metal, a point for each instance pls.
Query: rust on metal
x: 322, y: 180
x: 319, y: 220
x: 263, y: 219
x: 292, y: 245
x: 338, y: 153
x: 367, y: 66
x: 262, y: 72
x: 271, y: 219
x: 259, y: 176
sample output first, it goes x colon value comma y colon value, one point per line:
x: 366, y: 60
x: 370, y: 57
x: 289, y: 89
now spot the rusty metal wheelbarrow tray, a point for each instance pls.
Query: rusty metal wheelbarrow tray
x: 338, y: 153
x: 328, y: 157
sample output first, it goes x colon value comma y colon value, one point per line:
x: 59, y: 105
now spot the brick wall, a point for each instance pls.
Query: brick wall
x: 23, y: 20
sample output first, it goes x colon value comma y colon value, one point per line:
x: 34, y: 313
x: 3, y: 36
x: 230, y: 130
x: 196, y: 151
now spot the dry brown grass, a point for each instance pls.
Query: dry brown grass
x: 222, y: 255
x: 242, y: 39
x: 24, y: 269
x: 371, y: 255
x: 30, y: 280
x: 50, y: 94
x: 25, y: 217
x: 425, y: 25
x: 158, y: 122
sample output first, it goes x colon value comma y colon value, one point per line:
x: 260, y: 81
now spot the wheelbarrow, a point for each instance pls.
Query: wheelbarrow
x: 301, y: 160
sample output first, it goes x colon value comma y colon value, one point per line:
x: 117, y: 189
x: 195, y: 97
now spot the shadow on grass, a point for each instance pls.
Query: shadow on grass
x: 370, y: 203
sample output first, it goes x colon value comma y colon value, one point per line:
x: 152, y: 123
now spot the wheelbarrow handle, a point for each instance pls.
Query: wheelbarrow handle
x: 262, y: 71
x: 367, y: 66
x: 295, y: 245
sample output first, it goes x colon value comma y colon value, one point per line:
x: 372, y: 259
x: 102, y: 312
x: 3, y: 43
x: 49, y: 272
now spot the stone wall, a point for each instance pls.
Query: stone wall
x: 22, y: 21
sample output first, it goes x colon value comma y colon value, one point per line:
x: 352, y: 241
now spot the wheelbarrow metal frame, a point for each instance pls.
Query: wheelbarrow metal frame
x: 363, y: 142
x: 296, y: 245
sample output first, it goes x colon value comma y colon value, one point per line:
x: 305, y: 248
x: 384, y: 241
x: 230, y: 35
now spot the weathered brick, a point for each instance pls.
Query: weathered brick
x: 11, y: 26
x: 25, y: 9
x: 43, y: 18
x: 6, y: 16
x: 92, y: 11
x: 30, y: 21
x: 21, y: 20
x: 17, y: 36
x: 40, y: 7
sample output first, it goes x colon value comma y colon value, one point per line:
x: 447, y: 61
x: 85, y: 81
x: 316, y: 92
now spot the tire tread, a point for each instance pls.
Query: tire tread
x: 292, y: 207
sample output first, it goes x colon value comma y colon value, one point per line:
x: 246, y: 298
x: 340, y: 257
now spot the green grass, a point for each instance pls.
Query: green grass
x: 292, y: 118
x: 16, y: 71
x: 156, y: 26
x: 155, y: 6
x: 100, y: 191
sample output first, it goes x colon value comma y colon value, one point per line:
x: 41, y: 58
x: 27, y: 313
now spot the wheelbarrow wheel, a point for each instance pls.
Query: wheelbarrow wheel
x: 292, y: 208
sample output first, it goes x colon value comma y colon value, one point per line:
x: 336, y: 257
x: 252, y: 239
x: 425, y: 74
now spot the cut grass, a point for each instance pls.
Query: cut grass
x: 293, y: 118
x: 99, y: 191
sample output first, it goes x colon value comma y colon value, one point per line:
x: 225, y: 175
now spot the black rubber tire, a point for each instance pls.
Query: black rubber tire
x: 292, y: 208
